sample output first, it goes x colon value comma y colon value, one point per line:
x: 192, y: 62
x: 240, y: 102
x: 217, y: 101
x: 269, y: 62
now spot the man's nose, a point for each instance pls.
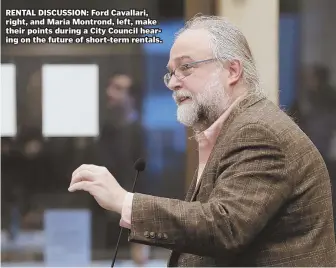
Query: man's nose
x: 174, y: 83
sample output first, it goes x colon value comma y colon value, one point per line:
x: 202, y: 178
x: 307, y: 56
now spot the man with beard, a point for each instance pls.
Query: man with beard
x: 261, y: 195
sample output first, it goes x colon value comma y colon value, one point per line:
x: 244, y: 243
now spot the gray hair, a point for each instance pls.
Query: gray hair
x: 229, y: 43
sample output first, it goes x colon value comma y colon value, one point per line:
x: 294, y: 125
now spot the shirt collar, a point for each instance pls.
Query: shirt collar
x: 211, y: 133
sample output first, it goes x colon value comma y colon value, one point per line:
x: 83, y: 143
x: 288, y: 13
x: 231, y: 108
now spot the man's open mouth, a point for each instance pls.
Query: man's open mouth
x: 183, y: 99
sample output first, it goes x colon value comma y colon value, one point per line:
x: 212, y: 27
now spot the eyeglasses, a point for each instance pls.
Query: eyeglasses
x: 183, y: 70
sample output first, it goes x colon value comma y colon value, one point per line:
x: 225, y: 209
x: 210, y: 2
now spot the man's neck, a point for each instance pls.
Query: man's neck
x: 205, y: 123
x: 201, y: 126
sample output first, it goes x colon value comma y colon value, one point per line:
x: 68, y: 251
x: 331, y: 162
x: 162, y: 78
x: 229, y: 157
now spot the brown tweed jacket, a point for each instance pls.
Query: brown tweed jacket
x: 264, y: 199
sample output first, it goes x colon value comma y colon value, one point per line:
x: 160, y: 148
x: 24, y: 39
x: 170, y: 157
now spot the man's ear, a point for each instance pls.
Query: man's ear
x: 235, y: 69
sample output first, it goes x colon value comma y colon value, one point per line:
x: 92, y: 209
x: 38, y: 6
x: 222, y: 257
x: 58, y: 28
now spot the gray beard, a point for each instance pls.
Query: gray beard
x: 204, y: 108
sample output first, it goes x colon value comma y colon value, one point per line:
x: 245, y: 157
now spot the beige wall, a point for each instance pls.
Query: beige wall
x: 258, y: 20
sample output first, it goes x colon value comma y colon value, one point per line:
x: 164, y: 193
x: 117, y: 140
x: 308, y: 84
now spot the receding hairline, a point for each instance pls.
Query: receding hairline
x: 188, y: 55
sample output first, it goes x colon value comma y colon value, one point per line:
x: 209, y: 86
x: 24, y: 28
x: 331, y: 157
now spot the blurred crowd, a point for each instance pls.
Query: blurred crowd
x: 315, y: 111
x: 35, y: 170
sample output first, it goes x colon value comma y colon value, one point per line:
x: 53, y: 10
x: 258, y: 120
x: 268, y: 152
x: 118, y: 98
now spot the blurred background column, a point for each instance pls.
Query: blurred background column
x: 317, y: 80
x: 317, y: 20
x: 259, y: 22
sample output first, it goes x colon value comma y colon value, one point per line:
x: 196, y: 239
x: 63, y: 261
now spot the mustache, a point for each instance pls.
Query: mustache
x: 177, y: 95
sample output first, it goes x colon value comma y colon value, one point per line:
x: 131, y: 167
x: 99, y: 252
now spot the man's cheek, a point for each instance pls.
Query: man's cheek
x: 191, y: 89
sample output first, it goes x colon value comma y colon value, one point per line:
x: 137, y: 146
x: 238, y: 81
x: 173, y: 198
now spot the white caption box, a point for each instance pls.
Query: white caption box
x: 8, y: 100
x: 70, y: 100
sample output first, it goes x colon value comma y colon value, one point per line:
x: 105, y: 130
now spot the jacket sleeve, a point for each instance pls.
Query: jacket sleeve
x: 251, y: 186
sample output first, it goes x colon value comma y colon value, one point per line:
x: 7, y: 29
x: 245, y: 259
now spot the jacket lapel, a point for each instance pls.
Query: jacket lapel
x: 192, y: 186
x: 245, y: 103
x: 196, y: 187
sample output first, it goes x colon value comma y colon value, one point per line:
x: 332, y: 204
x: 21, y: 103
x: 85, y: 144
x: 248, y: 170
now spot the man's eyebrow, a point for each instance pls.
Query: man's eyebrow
x: 179, y: 59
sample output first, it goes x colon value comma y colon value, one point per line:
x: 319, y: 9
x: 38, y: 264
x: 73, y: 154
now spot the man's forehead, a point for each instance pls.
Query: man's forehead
x: 189, y: 45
